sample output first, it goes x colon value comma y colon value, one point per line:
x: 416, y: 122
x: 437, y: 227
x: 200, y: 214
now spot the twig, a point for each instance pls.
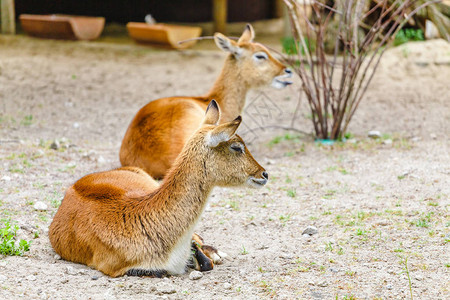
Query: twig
x: 9, y: 141
x: 277, y: 127
x: 209, y: 37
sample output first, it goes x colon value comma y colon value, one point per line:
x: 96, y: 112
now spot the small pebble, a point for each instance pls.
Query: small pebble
x: 387, y: 142
x: 334, y: 270
x: 389, y: 287
x: 95, y: 277
x: 70, y: 270
x: 55, y: 145
x: 76, y: 125
x: 31, y: 278
x: 165, y: 288
x: 101, y: 160
x: 227, y: 285
x: 6, y: 178
x: 310, y: 230
x: 39, y: 205
x: 195, y: 275
x: 323, y: 284
x: 374, y: 134
x: 56, y: 257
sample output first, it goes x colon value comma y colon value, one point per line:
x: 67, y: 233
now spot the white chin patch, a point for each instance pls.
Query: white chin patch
x: 281, y: 81
x: 256, y: 183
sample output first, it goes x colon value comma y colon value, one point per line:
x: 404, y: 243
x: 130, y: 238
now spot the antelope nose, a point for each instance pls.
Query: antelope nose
x: 265, y: 175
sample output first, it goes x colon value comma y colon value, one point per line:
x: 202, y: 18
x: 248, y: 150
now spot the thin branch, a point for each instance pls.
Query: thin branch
x: 277, y: 127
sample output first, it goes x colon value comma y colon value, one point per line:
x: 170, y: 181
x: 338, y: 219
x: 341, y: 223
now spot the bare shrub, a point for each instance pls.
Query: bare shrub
x: 335, y: 84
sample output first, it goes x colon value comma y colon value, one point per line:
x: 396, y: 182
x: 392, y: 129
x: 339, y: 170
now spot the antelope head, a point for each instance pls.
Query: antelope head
x: 256, y: 66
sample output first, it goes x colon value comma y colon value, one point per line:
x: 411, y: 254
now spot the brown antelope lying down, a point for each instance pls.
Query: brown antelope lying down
x: 122, y: 222
x: 160, y: 129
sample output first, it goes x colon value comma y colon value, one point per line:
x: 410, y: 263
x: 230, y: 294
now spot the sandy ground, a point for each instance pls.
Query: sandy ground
x: 373, y: 202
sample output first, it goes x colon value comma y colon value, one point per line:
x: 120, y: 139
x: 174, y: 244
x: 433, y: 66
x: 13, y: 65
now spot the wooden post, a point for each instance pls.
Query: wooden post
x: 220, y: 15
x: 8, y: 17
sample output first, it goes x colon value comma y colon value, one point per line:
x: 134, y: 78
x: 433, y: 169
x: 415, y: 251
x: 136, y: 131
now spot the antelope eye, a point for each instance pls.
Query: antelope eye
x: 237, y: 148
x: 261, y: 56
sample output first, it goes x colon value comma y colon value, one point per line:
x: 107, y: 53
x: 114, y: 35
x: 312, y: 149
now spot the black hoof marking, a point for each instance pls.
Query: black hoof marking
x: 150, y: 273
x: 203, y: 261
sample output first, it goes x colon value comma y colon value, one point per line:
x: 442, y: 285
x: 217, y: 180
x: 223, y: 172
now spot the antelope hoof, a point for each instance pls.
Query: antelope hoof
x: 200, y: 261
x: 215, y: 255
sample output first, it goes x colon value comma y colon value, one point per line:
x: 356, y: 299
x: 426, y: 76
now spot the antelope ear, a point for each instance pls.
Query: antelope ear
x: 222, y: 133
x: 212, y: 115
x: 248, y: 35
x: 227, y: 45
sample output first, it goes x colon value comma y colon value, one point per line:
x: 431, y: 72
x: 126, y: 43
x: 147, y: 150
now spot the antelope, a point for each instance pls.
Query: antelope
x: 123, y: 222
x: 160, y: 129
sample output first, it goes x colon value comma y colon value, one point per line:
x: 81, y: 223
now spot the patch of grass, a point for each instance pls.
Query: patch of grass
x: 267, y: 288
x: 348, y: 135
x: 68, y: 168
x: 26, y: 163
x: 425, y: 221
x: 54, y: 199
x: 329, y: 194
x: 404, y: 262
x: 285, y: 218
x: 408, y: 34
x: 281, y: 138
x: 43, y: 217
x: 233, y: 204
x: 288, y: 179
x: 16, y: 169
x: 27, y: 120
x: 291, y: 193
x: 291, y: 47
x: 243, y: 251
x: 39, y: 185
x: 361, y: 232
x: 8, y: 241
x: 11, y: 156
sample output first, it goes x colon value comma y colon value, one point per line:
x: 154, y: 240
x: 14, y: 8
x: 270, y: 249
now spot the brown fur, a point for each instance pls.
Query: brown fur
x: 160, y: 129
x: 122, y: 220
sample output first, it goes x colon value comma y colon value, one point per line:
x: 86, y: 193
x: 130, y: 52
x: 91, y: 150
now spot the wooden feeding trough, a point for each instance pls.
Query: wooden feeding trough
x: 63, y: 26
x: 164, y: 35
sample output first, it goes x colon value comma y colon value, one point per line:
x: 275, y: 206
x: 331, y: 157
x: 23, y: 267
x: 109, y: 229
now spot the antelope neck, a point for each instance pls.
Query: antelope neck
x: 183, y: 193
x: 229, y: 90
